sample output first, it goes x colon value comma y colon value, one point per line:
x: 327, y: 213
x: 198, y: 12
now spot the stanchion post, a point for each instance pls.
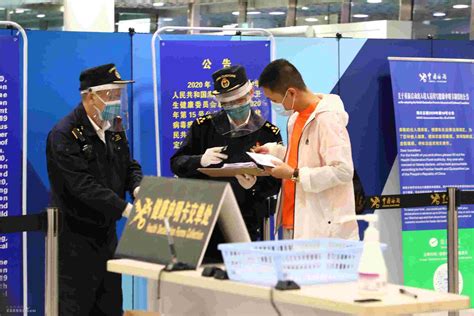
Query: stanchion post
x: 51, y: 291
x: 271, y: 204
x: 266, y: 220
x: 453, y: 253
x: 266, y: 228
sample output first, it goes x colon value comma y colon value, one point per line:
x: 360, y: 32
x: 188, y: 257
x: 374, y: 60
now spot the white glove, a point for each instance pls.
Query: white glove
x: 246, y: 181
x: 128, y: 210
x: 135, y: 192
x: 212, y: 156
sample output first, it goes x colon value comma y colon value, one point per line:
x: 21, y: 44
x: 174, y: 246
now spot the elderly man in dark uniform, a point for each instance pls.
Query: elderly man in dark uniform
x: 225, y: 137
x: 90, y: 169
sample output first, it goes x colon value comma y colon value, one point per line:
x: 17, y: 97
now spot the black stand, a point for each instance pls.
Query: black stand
x: 215, y: 272
x: 209, y: 272
x: 178, y: 266
x: 287, y: 285
x: 221, y: 275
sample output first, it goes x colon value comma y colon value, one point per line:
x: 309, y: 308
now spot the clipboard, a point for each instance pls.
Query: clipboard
x: 232, y: 172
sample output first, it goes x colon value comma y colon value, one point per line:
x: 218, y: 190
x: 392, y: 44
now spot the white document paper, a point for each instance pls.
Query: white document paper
x: 239, y: 165
x: 264, y: 159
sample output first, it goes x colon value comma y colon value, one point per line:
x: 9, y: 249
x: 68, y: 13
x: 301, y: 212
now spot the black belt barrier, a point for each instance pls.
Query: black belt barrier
x: 46, y: 222
x: 24, y: 223
x: 417, y: 200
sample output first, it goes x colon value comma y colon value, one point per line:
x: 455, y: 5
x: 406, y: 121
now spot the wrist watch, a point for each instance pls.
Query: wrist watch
x: 295, y: 177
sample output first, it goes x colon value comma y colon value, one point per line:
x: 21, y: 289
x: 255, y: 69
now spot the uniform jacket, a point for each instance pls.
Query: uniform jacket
x: 204, y: 134
x: 89, y: 189
x: 325, y: 191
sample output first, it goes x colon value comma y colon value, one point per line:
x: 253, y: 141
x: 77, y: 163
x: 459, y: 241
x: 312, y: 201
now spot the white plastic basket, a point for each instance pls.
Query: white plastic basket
x: 303, y: 261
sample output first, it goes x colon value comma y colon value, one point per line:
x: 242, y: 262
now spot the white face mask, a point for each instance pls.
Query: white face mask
x: 280, y: 108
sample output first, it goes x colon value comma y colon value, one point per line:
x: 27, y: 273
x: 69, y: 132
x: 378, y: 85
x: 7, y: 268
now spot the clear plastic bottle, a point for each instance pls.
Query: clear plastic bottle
x: 372, y: 268
x: 372, y: 281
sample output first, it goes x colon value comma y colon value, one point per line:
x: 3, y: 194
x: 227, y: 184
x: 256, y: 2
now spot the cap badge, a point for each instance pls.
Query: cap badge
x: 225, y: 83
x: 115, y: 71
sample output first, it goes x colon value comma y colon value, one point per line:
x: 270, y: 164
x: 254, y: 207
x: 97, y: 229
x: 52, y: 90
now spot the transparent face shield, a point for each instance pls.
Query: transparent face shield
x: 113, y: 109
x: 242, y: 120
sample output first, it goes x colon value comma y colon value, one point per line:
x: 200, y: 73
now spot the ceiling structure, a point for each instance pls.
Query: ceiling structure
x: 445, y: 16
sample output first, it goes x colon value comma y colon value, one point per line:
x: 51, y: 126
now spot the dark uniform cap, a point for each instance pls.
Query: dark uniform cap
x: 100, y: 75
x: 229, y: 79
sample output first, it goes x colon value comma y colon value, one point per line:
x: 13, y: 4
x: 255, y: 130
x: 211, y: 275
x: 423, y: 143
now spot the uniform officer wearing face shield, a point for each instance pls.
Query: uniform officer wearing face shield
x: 236, y: 128
x: 90, y: 169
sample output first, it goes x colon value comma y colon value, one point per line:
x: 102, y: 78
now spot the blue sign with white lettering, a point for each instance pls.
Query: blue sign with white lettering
x: 11, y: 249
x: 434, y: 119
x: 186, y: 84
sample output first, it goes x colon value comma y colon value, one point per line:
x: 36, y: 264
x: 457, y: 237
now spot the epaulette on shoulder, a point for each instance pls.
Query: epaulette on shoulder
x: 203, y: 119
x: 274, y: 129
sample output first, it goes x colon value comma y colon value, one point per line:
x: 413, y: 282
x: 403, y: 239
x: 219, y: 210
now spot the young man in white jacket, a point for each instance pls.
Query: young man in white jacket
x: 317, y: 171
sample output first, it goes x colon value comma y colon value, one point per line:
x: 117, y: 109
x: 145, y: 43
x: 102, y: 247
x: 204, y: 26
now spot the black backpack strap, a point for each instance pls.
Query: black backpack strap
x: 359, y: 193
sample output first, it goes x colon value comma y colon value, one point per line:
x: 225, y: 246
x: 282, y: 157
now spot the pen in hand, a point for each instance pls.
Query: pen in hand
x: 405, y: 292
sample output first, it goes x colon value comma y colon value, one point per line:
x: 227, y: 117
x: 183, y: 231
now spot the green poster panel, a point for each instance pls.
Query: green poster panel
x: 425, y: 260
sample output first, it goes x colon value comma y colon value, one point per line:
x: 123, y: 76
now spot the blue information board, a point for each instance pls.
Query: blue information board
x: 434, y: 121
x: 186, y: 84
x: 11, y: 249
x: 433, y: 102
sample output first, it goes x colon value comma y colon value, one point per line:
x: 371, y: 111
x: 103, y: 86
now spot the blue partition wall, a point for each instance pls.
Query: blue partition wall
x: 355, y: 68
x: 367, y: 94
x: 55, y: 62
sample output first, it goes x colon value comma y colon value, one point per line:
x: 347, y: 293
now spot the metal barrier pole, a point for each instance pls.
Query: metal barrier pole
x: 51, y: 292
x: 266, y: 228
x: 453, y: 253
x: 271, y: 205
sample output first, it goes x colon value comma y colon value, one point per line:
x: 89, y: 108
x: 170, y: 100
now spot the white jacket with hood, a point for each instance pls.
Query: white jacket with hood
x: 325, y: 191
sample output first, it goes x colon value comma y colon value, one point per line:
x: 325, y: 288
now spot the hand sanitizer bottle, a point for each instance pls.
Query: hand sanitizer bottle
x: 372, y: 268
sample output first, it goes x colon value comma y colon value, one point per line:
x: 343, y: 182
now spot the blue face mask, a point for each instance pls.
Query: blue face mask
x: 111, y: 110
x: 239, y: 114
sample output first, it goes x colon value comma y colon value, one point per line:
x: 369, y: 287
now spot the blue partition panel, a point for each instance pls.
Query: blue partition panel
x: 355, y: 68
x: 55, y: 62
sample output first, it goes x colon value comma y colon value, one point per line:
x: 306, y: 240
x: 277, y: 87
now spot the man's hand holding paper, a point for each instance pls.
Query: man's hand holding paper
x: 272, y: 165
x: 265, y: 160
